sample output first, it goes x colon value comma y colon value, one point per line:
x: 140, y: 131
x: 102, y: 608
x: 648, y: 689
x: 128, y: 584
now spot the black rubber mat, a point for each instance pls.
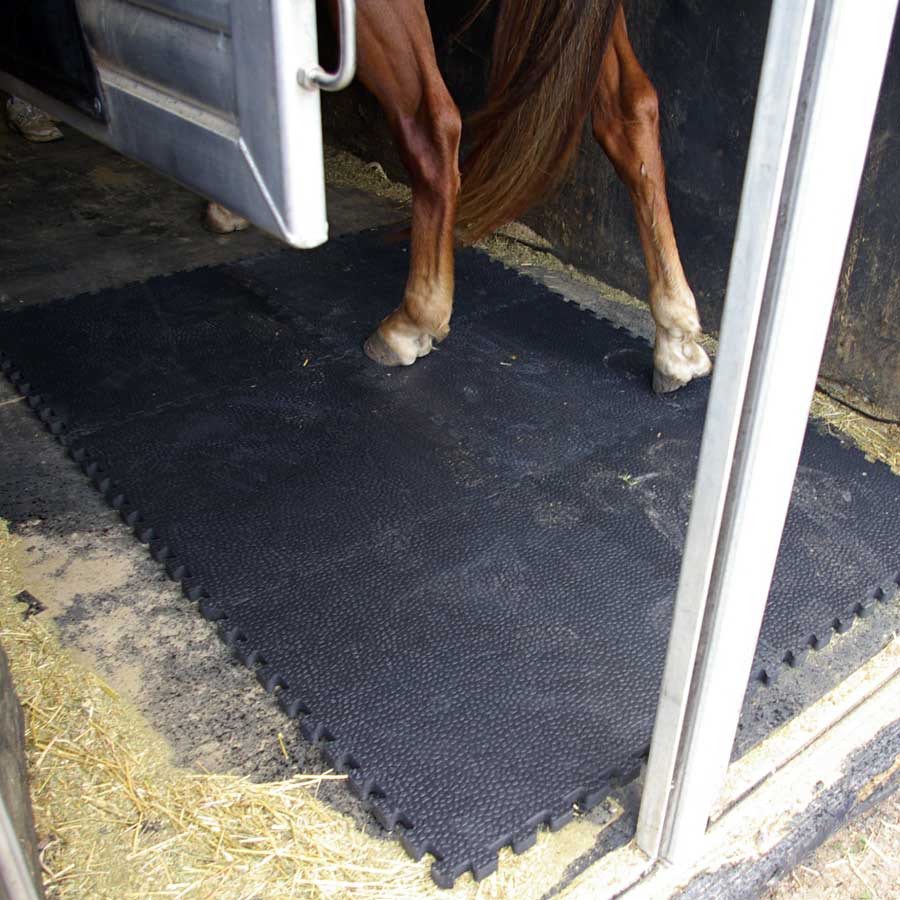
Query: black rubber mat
x: 461, y: 574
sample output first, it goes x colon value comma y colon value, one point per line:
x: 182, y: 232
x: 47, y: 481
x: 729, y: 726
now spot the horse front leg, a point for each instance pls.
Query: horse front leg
x: 625, y: 118
x: 397, y: 64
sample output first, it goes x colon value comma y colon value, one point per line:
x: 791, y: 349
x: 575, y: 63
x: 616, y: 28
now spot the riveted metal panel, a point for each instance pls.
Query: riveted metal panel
x: 189, y: 60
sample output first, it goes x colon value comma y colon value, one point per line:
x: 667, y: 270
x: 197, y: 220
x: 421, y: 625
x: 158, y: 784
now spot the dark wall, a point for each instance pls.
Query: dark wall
x: 42, y: 42
x: 864, y: 346
x: 704, y: 57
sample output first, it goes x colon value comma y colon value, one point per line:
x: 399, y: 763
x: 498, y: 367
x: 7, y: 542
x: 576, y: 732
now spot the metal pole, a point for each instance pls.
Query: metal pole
x: 821, y: 75
x: 15, y: 877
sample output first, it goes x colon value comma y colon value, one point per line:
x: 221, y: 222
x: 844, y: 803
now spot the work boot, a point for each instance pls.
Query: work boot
x: 33, y: 124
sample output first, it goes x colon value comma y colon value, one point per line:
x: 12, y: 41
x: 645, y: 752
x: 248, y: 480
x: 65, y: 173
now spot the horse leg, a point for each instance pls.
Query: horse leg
x: 397, y: 64
x: 625, y: 118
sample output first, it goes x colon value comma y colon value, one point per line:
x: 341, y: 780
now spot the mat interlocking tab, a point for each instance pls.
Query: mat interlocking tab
x: 459, y: 575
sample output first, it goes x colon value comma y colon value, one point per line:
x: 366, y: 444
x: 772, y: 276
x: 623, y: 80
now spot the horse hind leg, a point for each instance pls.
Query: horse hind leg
x: 625, y: 118
x: 397, y: 64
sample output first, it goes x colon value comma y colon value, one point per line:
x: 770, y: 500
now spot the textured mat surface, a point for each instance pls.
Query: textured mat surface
x: 460, y: 574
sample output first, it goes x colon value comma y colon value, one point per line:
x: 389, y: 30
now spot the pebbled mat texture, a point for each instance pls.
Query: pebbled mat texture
x: 459, y: 575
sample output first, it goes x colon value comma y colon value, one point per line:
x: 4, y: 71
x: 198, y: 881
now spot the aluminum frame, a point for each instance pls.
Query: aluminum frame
x: 819, y: 87
x: 207, y: 93
x: 15, y: 876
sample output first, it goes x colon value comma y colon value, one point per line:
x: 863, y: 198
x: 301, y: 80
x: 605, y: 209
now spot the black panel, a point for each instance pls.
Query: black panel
x: 460, y: 574
x: 42, y: 43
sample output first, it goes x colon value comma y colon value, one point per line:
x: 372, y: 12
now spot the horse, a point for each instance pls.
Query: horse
x: 554, y: 63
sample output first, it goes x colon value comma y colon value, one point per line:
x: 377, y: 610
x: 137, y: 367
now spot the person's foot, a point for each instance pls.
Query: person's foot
x: 33, y: 124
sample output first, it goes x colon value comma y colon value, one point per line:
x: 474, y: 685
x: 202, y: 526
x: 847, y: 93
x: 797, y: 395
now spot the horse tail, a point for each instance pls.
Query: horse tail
x: 545, y: 67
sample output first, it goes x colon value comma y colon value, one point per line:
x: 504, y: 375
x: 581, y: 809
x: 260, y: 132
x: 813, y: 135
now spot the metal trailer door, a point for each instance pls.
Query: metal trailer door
x: 221, y: 95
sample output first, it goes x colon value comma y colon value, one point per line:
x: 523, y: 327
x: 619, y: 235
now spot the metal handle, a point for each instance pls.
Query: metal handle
x: 317, y: 77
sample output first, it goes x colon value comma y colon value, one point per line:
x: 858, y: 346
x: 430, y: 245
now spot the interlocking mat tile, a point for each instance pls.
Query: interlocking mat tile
x: 459, y: 575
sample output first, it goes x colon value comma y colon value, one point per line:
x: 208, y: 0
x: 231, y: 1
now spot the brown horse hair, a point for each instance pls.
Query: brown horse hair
x: 545, y: 67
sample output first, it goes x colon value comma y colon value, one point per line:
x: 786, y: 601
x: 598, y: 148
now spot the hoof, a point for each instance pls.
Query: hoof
x: 220, y: 220
x: 407, y: 351
x: 678, y: 362
x: 380, y: 351
x: 665, y: 384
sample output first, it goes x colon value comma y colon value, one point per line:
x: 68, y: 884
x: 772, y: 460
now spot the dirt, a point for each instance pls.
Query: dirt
x: 861, y: 862
x: 128, y: 623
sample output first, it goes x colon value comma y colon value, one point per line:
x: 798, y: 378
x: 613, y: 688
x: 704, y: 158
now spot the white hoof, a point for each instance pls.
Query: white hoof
x: 677, y: 360
x: 397, y: 350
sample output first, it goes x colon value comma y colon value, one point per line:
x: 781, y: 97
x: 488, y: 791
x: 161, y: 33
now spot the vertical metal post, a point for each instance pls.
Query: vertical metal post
x: 15, y: 877
x: 821, y: 75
